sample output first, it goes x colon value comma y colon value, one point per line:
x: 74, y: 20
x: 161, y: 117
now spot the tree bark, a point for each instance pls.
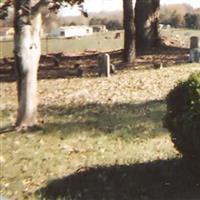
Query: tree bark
x: 27, y: 52
x: 146, y: 23
x: 129, y: 31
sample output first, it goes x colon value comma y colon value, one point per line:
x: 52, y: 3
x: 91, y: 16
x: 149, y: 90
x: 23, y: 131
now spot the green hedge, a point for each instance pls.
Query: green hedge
x: 183, y: 116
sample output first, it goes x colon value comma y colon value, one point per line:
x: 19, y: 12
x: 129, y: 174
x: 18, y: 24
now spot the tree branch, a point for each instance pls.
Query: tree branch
x: 55, y: 5
x: 4, y: 8
x: 39, y: 6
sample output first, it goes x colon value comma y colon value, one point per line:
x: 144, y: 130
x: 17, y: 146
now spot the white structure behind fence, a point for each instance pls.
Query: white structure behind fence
x: 71, y: 31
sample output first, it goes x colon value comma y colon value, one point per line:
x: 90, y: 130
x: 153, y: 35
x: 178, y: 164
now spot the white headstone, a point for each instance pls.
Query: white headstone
x: 104, y: 64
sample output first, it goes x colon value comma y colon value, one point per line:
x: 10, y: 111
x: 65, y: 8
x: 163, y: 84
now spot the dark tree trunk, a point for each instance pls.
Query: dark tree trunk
x: 146, y: 24
x: 129, y: 31
x: 27, y: 54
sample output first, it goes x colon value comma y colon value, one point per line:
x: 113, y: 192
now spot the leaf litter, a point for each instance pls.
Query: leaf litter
x: 88, y: 122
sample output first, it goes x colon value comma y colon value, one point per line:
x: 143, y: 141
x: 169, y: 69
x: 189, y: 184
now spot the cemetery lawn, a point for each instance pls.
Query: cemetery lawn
x: 99, y: 138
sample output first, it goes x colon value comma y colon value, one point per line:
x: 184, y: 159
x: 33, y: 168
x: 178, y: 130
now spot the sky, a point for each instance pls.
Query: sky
x: 111, y: 5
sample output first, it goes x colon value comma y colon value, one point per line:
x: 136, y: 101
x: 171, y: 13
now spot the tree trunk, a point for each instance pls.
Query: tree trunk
x: 129, y: 31
x: 146, y: 23
x: 27, y: 52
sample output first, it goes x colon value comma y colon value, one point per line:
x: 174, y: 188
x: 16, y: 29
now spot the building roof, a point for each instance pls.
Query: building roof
x: 73, y: 27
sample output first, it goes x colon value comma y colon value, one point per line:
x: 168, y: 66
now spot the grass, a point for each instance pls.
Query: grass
x: 181, y: 35
x: 99, y: 42
x: 168, y: 180
x: 99, y: 139
x: 80, y: 138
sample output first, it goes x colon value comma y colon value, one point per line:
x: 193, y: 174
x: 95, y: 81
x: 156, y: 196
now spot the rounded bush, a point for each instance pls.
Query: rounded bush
x: 183, y: 116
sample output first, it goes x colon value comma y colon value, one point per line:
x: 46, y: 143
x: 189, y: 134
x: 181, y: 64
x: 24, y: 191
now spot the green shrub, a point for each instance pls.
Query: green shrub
x: 183, y: 116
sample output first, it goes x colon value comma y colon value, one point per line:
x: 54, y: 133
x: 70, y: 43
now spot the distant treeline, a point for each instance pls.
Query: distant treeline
x: 180, y: 16
x: 176, y: 15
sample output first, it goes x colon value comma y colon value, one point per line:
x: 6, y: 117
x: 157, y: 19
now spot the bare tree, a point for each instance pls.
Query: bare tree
x: 146, y: 24
x: 27, y: 50
x: 129, y: 31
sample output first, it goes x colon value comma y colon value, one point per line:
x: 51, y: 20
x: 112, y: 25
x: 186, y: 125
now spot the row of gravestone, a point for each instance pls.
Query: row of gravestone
x: 106, y: 68
x: 194, y: 50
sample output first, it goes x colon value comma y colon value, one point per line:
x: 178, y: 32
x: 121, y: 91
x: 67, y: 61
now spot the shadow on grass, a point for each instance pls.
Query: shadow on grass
x: 139, y: 120
x: 7, y: 129
x: 158, y: 180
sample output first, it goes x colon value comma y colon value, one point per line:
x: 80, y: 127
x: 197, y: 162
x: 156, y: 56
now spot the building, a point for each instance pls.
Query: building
x: 99, y: 28
x: 164, y: 26
x: 6, y: 33
x: 71, y: 31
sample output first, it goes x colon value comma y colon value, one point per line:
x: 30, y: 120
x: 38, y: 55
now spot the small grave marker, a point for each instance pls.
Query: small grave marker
x: 194, y: 49
x: 104, y: 64
x: 194, y: 42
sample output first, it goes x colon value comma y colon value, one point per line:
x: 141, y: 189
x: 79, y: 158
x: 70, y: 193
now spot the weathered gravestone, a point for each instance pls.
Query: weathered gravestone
x: 194, y: 49
x: 104, y: 65
x: 194, y: 42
